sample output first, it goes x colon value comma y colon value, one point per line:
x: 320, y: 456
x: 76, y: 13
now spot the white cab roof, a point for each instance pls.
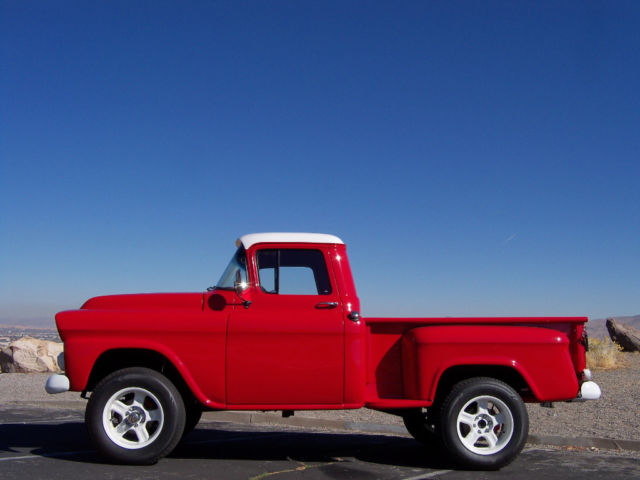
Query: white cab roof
x: 288, y: 237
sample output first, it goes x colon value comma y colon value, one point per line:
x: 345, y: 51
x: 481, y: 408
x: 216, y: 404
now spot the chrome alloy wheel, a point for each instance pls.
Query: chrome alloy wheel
x: 485, y: 425
x: 133, y: 418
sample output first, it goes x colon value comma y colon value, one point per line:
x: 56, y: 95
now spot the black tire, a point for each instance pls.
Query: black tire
x: 483, y: 423
x: 194, y: 412
x: 420, y: 425
x: 135, y: 416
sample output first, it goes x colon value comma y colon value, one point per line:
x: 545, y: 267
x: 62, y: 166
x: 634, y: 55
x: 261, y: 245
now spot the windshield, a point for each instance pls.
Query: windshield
x: 238, y: 263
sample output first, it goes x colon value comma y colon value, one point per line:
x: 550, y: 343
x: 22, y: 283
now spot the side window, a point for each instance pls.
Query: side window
x: 293, y: 272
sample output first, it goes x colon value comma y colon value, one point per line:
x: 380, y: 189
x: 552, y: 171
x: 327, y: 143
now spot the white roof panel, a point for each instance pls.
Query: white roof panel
x: 288, y: 237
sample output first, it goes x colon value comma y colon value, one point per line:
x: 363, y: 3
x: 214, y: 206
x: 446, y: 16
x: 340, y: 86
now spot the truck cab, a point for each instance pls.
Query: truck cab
x: 294, y: 314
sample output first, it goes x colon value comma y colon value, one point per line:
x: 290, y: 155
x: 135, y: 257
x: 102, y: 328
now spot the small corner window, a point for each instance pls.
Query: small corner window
x: 238, y: 262
x: 293, y: 272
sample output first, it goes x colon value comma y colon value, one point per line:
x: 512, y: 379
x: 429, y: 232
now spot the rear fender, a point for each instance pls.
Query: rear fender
x: 541, y: 357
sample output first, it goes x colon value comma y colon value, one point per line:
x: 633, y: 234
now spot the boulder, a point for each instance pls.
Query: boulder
x: 626, y: 336
x: 30, y: 355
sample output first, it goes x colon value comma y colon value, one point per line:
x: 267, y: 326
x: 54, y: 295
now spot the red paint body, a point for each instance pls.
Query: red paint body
x: 291, y: 352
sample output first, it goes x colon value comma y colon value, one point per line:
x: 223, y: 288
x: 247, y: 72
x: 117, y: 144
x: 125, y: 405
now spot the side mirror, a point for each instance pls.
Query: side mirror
x: 240, y: 286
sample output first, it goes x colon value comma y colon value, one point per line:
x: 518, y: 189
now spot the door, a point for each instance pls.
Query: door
x: 287, y: 347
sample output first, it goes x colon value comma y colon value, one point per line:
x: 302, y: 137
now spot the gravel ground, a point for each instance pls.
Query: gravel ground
x: 616, y: 415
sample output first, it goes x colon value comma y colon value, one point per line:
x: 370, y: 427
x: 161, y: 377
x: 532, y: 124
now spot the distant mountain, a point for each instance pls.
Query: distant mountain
x: 597, y: 328
x: 36, y: 322
x: 9, y: 333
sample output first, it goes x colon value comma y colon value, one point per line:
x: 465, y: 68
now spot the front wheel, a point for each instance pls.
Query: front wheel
x: 483, y: 423
x: 193, y: 415
x: 135, y: 416
x: 420, y: 425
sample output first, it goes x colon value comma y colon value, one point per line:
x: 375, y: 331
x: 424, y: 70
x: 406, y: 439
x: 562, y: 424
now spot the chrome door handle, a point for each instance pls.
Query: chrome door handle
x: 327, y: 305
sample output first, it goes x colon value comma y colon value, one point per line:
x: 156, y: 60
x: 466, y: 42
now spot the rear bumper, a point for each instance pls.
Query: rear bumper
x: 57, y: 384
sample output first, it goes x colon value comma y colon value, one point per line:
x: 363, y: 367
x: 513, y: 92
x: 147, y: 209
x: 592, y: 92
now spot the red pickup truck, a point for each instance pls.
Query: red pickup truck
x: 282, y: 331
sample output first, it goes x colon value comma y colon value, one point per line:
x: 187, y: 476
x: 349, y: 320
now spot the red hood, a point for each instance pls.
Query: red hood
x: 145, y: 301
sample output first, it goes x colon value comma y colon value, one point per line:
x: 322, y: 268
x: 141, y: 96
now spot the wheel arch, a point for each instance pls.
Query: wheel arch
x: 120, y: 358
x: 457, y: 373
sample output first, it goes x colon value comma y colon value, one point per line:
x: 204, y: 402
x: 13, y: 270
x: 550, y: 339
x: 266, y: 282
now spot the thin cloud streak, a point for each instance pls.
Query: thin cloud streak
x: 509, y: 238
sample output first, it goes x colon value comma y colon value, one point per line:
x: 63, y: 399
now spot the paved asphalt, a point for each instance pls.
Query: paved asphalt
x: 37, y: 443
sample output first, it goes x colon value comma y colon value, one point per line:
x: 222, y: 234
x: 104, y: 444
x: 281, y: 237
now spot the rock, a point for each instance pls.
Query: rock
x: 6, y: 360
x: 624, y: 335
x: 30, y: 355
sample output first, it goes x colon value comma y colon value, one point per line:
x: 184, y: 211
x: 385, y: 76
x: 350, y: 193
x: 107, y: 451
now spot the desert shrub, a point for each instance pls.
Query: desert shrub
x: 604, y: 354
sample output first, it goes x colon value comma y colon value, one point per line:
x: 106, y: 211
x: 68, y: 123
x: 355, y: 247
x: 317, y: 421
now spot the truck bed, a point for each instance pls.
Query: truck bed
x: 389, y: 368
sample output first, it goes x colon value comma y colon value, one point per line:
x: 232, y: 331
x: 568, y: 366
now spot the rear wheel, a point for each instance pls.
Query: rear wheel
x: 483, y: 423
x: 135, y: 416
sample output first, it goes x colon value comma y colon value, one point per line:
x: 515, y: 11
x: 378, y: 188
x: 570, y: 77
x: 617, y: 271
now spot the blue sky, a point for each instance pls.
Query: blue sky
x: 478, y: 158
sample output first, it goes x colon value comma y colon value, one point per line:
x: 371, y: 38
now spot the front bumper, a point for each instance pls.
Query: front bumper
x: 588, y: 391
x: 57, y: 384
